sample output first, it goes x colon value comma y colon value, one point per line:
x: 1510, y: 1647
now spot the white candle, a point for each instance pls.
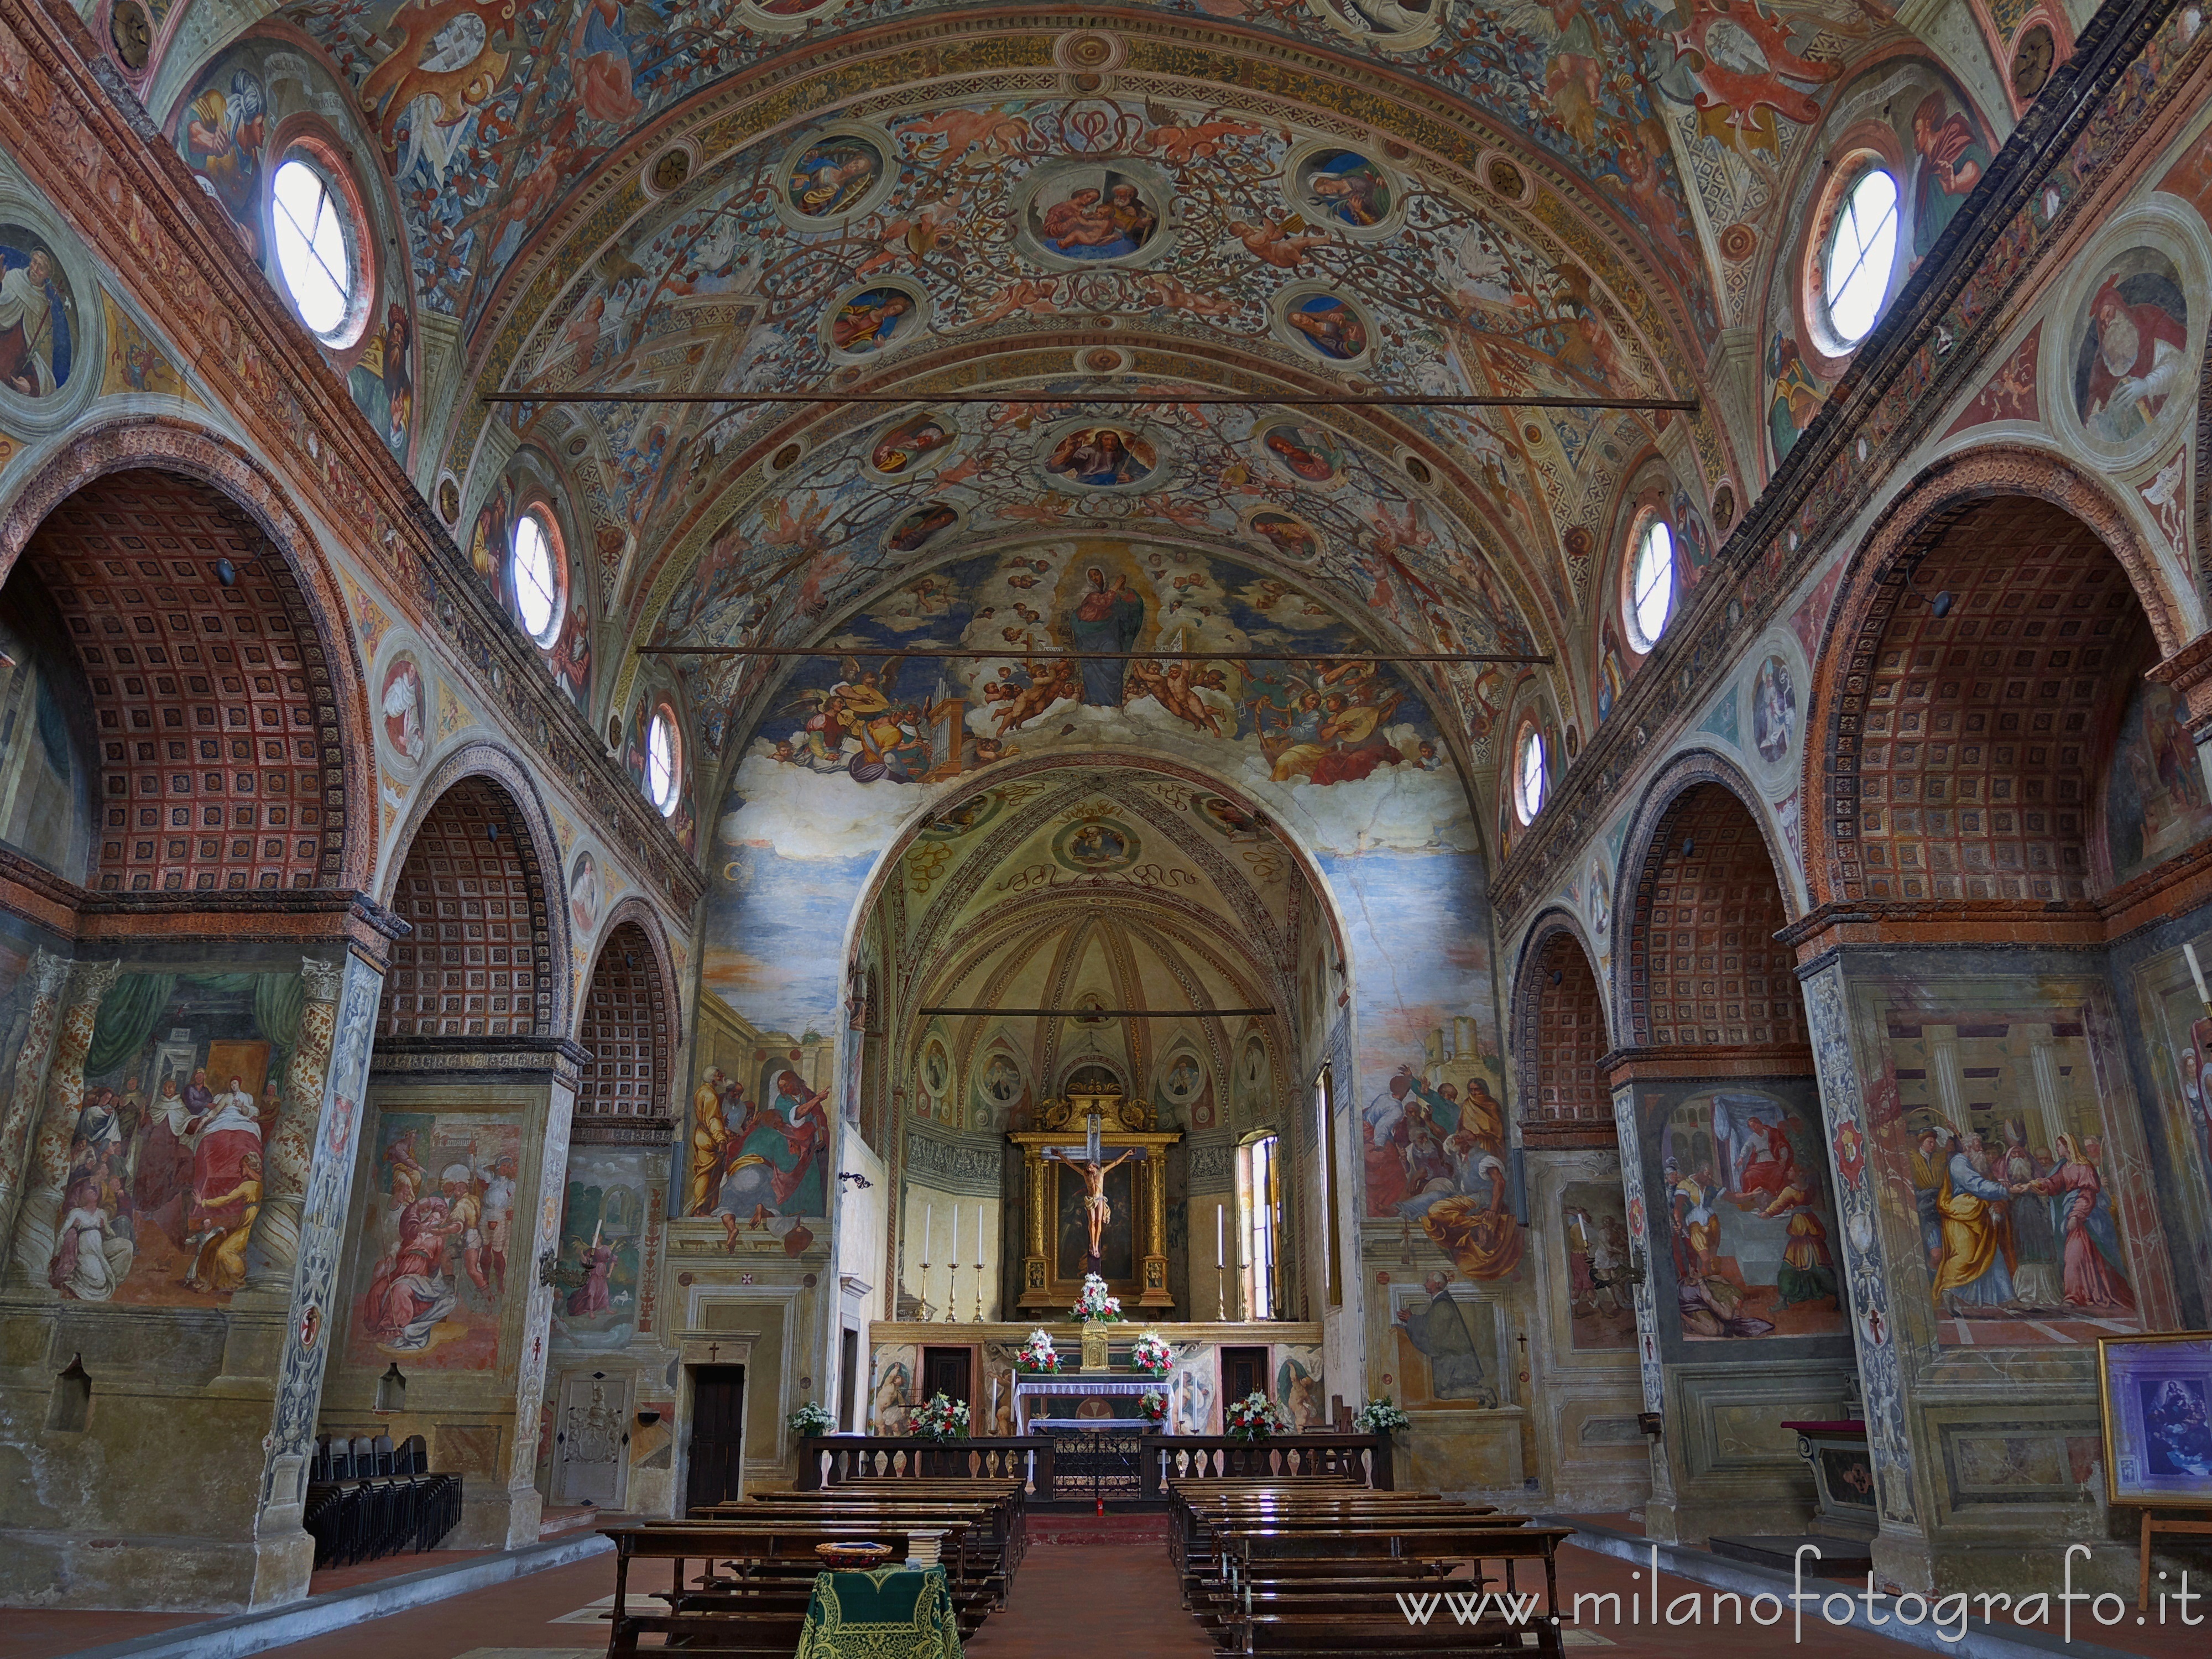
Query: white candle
x: 955, y: 1251
x: 2197, y: 974
x: 1220, y: 1223
x: 928, y: 1221
x: 979, y: 1237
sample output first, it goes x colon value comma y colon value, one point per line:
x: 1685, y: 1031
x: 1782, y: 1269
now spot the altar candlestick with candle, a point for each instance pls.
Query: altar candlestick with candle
x: 928, y: 1226
x: 952, y: 1272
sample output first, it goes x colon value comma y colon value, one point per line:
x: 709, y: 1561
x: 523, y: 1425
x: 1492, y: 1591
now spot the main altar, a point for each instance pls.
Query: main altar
x: 1085, y: 1142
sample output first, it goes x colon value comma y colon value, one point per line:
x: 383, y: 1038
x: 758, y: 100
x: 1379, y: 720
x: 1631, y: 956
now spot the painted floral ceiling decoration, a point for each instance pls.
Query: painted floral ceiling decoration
x: 986, y: 216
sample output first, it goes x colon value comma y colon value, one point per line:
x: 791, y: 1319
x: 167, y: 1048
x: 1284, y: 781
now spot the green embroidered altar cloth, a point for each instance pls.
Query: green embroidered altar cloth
x: 892, y: 1613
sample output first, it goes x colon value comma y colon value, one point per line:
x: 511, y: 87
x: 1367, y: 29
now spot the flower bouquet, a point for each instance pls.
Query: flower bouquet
x: 1151, y: 1354
x: 811, y: 1418
x: 1381, y: 1417
x: 1095, y: 1303
x: 941, y: 1419
x: 1253, y: 1418
x: 1155, y: 1405
x: 1039, y: 1356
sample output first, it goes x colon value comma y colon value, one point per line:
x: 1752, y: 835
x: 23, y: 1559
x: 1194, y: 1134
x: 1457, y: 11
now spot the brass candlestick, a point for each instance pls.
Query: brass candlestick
x: 952, y: 1292
x: 979, y: 1293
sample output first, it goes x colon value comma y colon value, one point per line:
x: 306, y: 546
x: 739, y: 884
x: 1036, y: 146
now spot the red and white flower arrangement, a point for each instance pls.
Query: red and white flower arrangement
x: 1155, y: 1405
x: 1039, y: 1356
x: 1095, y: 1303
x: 1151, y: 1354
x: 1253, y: 1418
x: 940, y: 1418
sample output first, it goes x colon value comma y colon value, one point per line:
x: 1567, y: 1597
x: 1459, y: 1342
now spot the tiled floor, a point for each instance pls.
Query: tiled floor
x: 1116, y: 1601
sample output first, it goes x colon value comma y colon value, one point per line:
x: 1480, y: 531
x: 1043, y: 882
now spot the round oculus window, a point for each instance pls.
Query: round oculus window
x: 315, y: 248
x: 1530, y: 784
x: 664, y: 768
x: 1862, y: 252
x: 532, y: 566
x: 1651, y: 583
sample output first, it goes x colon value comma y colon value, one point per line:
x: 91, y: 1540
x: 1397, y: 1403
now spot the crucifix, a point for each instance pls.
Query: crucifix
x: 1094, y: 1181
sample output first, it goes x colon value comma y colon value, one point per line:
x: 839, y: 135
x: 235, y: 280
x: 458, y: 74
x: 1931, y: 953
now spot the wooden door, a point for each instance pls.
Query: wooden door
x: 946, y: 1371
x: 717, y: 1401
x: 1243, y: 1371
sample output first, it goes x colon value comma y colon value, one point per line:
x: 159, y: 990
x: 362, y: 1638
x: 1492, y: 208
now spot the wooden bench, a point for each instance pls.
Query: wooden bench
x: 748, y: 1612
x: 989, y: 1541
x: 1314, y: 1592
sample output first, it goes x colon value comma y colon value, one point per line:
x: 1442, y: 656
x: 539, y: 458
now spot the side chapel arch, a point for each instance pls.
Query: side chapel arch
x: 245, y: 516
x: 477, y: 784
x: 630, y: 1020
x: 1560, y: 1032
x: 1875, y: 586
x: 1742, y: 863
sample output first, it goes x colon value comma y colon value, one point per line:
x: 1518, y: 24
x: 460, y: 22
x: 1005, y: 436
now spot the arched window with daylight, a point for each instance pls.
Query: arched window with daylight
x: 1259, y: 1224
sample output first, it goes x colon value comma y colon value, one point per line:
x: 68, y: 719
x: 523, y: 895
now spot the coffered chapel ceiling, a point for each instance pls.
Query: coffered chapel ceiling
x: 1559, y: 199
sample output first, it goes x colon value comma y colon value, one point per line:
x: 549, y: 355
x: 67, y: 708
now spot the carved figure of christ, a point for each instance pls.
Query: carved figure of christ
x: 1094, y: 1182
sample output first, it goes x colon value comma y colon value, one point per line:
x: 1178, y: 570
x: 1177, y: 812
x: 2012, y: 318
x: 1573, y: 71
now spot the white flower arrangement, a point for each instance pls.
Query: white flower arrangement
x: 811, y: 1418
x: 1039, y: 1356
x: 1253, y: 1418
x: 1152, y: 1353
x: 1095, y: 1303
x: 941, y: 1419
x: 1381, y: 1417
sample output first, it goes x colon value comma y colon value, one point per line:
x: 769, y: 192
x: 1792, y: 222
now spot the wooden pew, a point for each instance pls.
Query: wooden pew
x: 991, y: 1541
x: 1274, y: 1611
x: 748, y: 1612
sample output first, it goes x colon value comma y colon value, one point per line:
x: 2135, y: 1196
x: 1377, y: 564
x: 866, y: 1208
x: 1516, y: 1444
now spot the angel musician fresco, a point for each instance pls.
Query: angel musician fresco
x: 862, y: 726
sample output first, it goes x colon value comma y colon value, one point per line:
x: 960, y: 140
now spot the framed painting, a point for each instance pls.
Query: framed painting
x: 2154, y: 1394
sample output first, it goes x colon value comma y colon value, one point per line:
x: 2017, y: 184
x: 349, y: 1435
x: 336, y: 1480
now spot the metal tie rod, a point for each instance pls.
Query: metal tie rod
x: 965, y: 655
x: 1104, y: 1014
x: 1314, y: 399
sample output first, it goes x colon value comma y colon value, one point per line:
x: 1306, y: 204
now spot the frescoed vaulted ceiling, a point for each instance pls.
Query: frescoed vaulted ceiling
x: 982, y: 214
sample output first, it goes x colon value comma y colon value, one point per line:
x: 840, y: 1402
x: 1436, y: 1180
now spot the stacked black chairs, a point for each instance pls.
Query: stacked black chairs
x: 368, y: 1499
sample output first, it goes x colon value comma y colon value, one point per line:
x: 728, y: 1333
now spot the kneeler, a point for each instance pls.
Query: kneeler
x: 892, y: 1613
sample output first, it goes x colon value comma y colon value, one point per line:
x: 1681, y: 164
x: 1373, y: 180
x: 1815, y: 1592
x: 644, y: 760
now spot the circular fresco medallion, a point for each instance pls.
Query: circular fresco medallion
x: 1097, y: 846
x: 1601, y: 904
x: 403, y: 707
x: 1774, y: 711
x: 1291, y: 537
x: 1225, y: 816
x: 1182, y: 1079
x: 1343, y: 190
x: 923, y: 525
x: 834, y: 176
x: 49, y: 362
x: 872, y: 320
x: 1328, y: 325
x: 2128, y: 373
x: 584, y: 893
x: 1073, y: 216
x: 913, y: 444
x: 1085, y: 455
x: 1306, y: 455
x: 965, y: 819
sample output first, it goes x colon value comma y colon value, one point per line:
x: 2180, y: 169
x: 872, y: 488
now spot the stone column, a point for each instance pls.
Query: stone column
x: 290, y: 1147
x: 1943, y: 1072
x: 50, y: 1154
x: 47, y: 974
x: 332, y: 1113
x: 525, y: 1504
x: 2050, y: 1087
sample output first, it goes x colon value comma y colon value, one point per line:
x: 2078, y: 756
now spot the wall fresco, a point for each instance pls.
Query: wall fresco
x: 431, y: 1260
x: 1995, y: 1144
x: 2156, y: 804
x: 1741, y: 1211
